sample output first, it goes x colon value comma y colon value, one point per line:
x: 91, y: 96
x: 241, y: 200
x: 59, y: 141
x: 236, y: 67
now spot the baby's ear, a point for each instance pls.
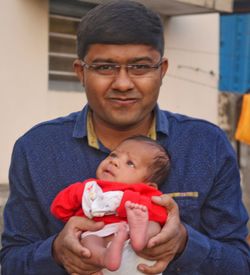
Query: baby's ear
x: 153, y: 184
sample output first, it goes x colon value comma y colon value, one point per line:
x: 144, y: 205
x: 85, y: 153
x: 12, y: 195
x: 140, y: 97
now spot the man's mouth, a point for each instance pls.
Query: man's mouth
x: 123, y: 100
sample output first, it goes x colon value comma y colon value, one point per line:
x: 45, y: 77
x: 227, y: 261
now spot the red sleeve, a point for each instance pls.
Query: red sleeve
x: 156, y: 212
x: 68, y: 202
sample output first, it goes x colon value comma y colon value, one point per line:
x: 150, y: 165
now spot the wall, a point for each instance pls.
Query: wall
x: 25, y: 99
x: 192, y: 46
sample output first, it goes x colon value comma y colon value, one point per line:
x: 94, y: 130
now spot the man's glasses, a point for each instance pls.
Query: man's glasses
x: 113, y: 69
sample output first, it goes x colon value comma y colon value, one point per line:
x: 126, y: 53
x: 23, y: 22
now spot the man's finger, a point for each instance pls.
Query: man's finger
x: 78, y: 225
x: 157, y: 268
x: 97, y: 273
x: 166, y: 201
x: 157, y: 239
x: 84, y: 224
x: 82, y: 269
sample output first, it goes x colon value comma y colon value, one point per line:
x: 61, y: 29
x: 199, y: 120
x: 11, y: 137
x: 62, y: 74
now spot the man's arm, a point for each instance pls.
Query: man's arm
x: 26, y: 240
x: 189, y: 250
x: 217, y: 245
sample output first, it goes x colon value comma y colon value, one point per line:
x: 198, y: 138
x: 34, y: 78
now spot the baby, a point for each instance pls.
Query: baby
x: 121, y: 197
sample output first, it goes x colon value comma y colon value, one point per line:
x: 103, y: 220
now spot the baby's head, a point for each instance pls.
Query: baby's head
x: 136, y: 159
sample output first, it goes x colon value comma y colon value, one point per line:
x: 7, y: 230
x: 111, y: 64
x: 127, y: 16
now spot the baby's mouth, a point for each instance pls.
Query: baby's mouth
x: 106, y: 171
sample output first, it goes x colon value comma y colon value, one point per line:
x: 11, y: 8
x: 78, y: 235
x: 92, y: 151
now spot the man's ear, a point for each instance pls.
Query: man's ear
x: 153, y: 184
x: 78, y: 68
x: 164, y: 67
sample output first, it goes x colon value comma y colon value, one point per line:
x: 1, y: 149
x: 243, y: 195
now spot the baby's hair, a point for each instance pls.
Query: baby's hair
x: 160, y: 162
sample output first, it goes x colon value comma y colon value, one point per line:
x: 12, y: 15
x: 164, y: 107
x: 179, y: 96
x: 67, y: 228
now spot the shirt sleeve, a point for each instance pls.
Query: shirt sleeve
x: 218, y: 245
x: 27, y: 244
x: 210, y: 256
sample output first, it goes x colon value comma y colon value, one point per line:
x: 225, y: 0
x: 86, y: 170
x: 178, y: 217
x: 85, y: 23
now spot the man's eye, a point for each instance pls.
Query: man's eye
x: 104, y: 67
x: 140, y: 69
x: 130, y: 164
x: 141, y: 66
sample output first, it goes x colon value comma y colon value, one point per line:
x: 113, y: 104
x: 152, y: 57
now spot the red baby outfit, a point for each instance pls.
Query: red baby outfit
x: 68, y: 202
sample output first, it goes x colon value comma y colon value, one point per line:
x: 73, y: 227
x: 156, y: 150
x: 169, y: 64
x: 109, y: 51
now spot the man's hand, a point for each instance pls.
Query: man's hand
x: 68, y: 251
x: 170, y: 242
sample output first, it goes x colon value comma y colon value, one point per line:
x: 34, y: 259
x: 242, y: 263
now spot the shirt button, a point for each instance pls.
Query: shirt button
x: 178, y: 269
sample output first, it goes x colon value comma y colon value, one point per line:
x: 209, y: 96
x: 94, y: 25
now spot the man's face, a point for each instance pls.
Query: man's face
x: 129, y: 163
x: 121, y: 101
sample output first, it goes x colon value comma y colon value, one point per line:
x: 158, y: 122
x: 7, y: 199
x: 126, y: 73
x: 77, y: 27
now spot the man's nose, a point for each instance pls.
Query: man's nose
x: 122, y: 81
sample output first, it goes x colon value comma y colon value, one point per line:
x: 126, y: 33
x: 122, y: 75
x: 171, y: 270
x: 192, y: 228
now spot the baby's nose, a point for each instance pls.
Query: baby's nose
x: 115, y: 162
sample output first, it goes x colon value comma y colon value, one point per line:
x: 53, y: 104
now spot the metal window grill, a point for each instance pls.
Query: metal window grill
x: 64, y: 18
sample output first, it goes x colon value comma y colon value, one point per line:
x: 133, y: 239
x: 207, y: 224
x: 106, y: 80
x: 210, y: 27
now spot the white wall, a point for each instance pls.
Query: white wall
x: 25, y: 99
x: 192, y: 42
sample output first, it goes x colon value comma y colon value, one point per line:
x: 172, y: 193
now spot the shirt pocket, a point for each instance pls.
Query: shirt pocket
x: 189, y: 209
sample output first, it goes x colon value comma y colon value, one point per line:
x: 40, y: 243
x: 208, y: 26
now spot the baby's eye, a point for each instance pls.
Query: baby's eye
x: 130, y: 164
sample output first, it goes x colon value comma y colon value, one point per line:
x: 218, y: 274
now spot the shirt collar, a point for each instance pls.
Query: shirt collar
x: 80, y: 129
x: 162, y: 123
x: 84, y: 126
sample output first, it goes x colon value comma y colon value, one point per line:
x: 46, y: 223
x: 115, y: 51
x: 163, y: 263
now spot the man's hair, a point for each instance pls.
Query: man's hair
x: 160, y: 165
x: 120, y: 22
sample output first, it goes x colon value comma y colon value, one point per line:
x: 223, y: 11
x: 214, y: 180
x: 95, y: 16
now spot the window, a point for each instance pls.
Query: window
x: 63, y: 22
x: 62, y: 52
x: 235, y: 53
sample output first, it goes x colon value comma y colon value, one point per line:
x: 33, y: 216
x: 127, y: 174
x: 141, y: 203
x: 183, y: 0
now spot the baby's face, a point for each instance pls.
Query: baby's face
x: 128, y: 163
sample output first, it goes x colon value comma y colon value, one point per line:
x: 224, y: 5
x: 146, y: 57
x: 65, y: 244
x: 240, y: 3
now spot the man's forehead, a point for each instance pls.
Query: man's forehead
x: 127, y: 52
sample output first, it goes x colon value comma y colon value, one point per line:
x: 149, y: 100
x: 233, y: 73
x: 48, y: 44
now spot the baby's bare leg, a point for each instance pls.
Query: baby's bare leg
x: 137, y: 216
x: 141, y: 229
x: 107, y: 256
x: 114, y: 250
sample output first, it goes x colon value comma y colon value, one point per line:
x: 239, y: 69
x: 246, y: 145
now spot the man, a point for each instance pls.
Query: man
x: 121, y: 65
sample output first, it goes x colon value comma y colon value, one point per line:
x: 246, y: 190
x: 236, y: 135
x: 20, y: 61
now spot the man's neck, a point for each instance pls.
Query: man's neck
x: 111, y: 137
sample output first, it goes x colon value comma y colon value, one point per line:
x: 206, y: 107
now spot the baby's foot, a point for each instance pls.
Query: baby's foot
x: 137, y: 216
x: 113, y: 254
